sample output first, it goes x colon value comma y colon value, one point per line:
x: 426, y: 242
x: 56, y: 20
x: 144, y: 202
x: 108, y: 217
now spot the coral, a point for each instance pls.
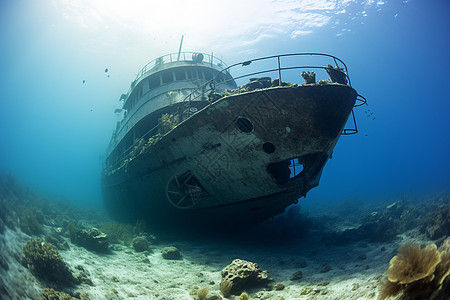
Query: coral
x: 443, y: 268
x: 243, y: 296
x: 256, y: 83
x: 382, y: 225
x: 296, y: 276
x: 310, y: 77
x: 31, y: 222
x: 437, y: 221
x: 57, y: 241
x: 171, y: 253
x: 167, y: 122
x: 413, y: 263
x: 201, y: 295
x: 51, y: 294
x: 225, y: 288
x: 278, y: 286
x: 243, y: 274
x: 45, y: 263
x: 389, y: 289
x: 140, y: 243
x: 417, y: 273
x: 92, y: 238
x: 336, y: 74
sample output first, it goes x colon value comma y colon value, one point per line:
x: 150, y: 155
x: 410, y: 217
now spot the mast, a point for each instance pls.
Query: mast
x: 179, y: 50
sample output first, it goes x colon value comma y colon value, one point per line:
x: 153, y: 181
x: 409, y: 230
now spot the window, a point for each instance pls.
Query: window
x: 167, y: 76
x: 208, y: 75
x: 180, y: 74
x: 195, y: 73
x: 153, y: 81
x: 145, y: 86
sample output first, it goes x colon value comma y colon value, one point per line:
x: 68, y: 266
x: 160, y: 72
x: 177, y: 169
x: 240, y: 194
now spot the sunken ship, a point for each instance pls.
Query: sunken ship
x: 196, y: 145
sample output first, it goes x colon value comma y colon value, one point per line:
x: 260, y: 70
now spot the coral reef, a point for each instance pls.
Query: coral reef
x: 418, y: 273
x: 45, y: 263
x: 55, y: 239
x: 51, y: 294
x: 437, y: 221
x: 242, y: 274
x: 140, y: 243
x: 381, y: 225
x: 91, y: 238
x: 30, y: 221
x: 171, y: 253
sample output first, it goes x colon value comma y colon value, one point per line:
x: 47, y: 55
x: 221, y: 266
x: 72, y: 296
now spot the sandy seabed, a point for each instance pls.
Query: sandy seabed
x: 302, y: 266
x: 352, y: 271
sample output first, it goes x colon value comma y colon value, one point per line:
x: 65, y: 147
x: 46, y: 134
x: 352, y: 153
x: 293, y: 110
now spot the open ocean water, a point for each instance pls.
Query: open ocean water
x: 64, y: 65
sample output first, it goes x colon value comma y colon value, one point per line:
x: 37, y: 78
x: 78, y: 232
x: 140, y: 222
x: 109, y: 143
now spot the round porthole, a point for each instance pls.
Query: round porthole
x: 244, y: 124
x: 269, y: 148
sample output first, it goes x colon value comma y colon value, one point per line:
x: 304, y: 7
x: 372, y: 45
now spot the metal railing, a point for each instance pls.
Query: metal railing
x: 209, y: 89
x: 174, y: 57
x: 213, y: 85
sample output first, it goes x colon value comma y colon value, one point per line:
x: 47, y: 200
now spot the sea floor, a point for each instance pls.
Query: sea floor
x: 319, y: 263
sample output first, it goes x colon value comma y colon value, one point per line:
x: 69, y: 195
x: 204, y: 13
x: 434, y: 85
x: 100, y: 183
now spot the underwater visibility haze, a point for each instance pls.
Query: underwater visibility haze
x: 65, y: 64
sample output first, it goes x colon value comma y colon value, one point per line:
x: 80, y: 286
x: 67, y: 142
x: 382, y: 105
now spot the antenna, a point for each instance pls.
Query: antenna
x: 179, y: 50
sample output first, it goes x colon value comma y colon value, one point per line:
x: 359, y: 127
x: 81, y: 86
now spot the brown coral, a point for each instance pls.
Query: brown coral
x: 225, y: 288
x: 389, y: 289
x: 51, y: 294
x: 413, y: 263
x: 241, y: 274
x: 443, y: 269
x: 417, y: 273
x: 46, y: 263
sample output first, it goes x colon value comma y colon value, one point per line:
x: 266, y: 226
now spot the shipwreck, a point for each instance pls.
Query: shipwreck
x: 196, y: 145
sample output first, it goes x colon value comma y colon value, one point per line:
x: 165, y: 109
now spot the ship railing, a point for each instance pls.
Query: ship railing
x: 215, y: 88
x: 174, y: 57
x: 283, y: 67
x: 128, y: 153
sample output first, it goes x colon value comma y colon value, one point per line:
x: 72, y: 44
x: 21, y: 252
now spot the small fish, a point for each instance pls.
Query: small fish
x: 84, y: 81
x: 106, y: 70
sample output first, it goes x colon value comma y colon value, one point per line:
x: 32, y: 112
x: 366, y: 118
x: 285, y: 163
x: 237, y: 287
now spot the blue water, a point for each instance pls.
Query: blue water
x: 57, y: 101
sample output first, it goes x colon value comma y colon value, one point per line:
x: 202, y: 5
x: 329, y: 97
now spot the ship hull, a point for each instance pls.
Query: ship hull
x: 228, y: 164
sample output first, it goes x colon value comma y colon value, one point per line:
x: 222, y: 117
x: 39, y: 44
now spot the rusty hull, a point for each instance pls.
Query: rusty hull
x: 231, y: 166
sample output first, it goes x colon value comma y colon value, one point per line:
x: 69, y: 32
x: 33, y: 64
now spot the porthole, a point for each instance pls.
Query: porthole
x: 269, y: 148
x: 244, y: 124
